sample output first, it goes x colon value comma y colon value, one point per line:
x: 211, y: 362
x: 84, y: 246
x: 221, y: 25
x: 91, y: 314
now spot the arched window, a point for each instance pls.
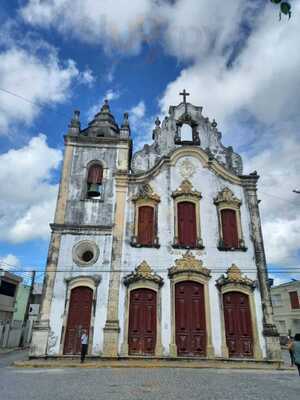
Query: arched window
x: 146, y: 230
x: 187, y: 227
x: 229, y: 229
x: 186, y: 133
x: 94, y: 181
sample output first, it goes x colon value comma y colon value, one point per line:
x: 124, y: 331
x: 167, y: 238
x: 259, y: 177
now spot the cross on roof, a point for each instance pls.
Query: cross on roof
x: 184, y: 94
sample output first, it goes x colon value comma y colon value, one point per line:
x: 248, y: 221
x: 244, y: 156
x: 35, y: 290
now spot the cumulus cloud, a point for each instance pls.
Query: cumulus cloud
x: 10, y: 261
x: 120, y: 25
x: 240, y: 63
x: 32, y: 76
x: 27, y: 204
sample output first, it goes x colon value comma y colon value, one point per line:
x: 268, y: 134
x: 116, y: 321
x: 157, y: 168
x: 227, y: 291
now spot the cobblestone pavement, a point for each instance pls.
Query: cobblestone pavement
x: 146, y: 384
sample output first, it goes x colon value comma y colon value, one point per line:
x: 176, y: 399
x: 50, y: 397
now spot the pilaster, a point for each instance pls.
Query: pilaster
x: 112, y: 328
x: 269, y: 329
x: 41, y: 327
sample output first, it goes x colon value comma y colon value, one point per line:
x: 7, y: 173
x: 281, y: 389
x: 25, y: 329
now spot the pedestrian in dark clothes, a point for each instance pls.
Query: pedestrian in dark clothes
x: 296, y: 350
x: 290, y: 349
x: 84, y: 344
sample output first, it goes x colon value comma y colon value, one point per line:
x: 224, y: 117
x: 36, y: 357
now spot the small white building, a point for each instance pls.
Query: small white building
x: 159, y: 253
x: 286, y: 306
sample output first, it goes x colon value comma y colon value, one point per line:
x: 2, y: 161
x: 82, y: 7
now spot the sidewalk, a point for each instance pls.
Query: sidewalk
x: 97, y: 362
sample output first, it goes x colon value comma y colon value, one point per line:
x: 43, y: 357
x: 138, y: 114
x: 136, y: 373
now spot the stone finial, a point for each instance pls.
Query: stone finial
x: 157, y: 122
x: 74, y: 126
x: 125, y: 123
x: 214, y: 123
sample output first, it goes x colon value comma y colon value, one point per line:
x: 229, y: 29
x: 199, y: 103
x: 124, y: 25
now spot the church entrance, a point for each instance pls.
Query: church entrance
x: 238, y: 326
x: 79, y: 318
x: 190, y: 319
x: 142, y: 322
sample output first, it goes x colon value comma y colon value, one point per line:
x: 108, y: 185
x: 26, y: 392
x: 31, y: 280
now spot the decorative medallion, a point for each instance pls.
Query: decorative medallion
x: 186, y: 168
x: 189, y: 264
x: 186, y: 188
x: 227, y: 196
x: 143, y: 272
x: 234, y: 276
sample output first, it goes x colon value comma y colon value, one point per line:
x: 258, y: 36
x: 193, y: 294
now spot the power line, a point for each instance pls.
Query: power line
x: 33, y: 102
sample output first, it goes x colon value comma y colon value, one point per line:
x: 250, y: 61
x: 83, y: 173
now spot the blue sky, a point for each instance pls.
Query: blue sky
x: 236, y: 59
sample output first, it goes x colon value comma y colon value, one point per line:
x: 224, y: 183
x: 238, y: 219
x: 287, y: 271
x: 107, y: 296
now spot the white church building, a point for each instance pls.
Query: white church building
x: 157, y: 253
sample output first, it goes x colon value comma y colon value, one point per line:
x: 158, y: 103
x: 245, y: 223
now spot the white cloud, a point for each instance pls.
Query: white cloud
x: 138, y: 111
x: 41, y: 82
x: 87, y: 77
x: 28, y: 201
x: 120, y: 25
x: 10, y: 261
x: 32, y: 76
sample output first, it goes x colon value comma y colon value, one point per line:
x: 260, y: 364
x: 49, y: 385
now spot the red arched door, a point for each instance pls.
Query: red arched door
x: 190, y: 319
x: 142, y: 322
x: 238, y: 326
x: 79, y: 318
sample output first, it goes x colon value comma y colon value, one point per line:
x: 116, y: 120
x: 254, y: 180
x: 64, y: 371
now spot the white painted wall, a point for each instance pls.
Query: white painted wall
x: 206, y: 182
x: 72, y: 270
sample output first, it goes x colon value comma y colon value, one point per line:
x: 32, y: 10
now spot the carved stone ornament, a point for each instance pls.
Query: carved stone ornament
x: 234, y: 276
x: 186, y: 189
x: 227, y: 196
x: 143, y: 272
x: 189, y: 264
x: 186, y: 168
x: 146, y: 192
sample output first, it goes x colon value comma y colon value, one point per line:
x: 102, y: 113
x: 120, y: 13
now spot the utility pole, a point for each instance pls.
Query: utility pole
x: 29, y: 296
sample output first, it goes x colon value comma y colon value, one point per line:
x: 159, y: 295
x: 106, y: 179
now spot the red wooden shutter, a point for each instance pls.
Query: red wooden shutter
x: 146, y: 225
x: 187, y: 231
x: 95, y: 174
x: 294, y: 300
x: 229, y: 229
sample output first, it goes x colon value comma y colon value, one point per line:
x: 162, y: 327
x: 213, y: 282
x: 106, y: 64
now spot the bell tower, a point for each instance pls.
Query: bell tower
x: 88, y: 220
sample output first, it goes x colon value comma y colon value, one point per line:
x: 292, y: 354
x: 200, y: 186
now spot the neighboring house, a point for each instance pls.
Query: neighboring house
x: 21, y: 302
x: 9, y: 283
x: 286, y: 306
x: 159, y: 252
x: 35, y: 301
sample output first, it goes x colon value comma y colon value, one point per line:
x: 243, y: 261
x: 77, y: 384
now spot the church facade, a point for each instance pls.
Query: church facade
x: 157, y: 253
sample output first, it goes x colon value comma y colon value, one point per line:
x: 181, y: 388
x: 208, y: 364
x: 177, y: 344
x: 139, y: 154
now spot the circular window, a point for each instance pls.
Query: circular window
x: 85, y: 253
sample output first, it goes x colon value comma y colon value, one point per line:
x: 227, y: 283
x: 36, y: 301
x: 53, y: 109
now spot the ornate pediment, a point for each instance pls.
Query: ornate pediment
x: 226, y: 196
x: 234, y: 276
x: 146, y: 193
x: 189, y: 264
x: 143, y: 272
x: 186, y: 189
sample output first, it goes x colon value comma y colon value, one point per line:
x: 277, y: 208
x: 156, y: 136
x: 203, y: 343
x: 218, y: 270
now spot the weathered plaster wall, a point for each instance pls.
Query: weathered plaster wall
x: 206, y: 182
x: 84, y: 211
x: 67, y: 269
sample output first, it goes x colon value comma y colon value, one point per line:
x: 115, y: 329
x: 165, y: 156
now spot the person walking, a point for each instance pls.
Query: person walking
x: 296, y: 350
x: 290, y: 349
x: 84, y: 344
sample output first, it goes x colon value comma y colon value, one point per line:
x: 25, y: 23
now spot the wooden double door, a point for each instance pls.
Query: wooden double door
x: 142, y: 322
x: 238, y: 325
x: 190, y: 321
x: 79, y: 318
